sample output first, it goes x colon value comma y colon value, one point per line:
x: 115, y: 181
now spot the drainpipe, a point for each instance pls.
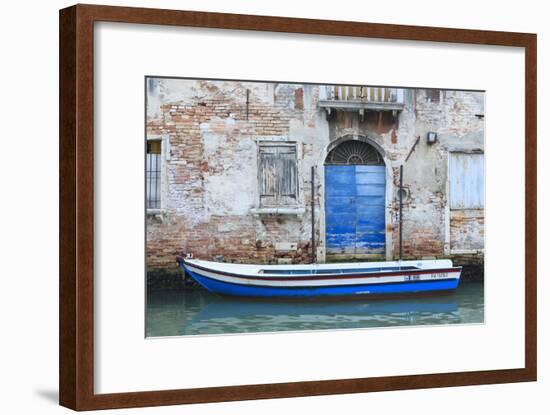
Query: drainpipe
x: 313, y: 215
x: 400, y: 212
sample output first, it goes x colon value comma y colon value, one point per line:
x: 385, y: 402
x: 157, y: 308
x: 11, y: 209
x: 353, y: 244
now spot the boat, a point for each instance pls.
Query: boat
x: 365, y: 279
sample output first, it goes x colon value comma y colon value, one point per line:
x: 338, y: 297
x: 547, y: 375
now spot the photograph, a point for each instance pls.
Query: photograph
x: 287, y: 206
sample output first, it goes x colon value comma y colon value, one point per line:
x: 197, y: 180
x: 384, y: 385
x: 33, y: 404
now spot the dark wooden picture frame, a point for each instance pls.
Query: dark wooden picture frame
x: 76, y: 278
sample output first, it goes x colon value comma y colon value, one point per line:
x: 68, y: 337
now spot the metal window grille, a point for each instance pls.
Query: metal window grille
x: 354, y: 152
x: 433, y: 95
x: 278, y: 175
x: 153, y: 174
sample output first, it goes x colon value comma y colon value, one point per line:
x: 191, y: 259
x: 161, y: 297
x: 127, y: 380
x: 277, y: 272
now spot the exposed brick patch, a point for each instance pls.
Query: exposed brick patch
x: 467, y: 229
x: 299, y: 98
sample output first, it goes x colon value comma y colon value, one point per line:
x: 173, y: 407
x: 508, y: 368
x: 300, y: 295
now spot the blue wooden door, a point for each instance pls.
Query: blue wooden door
x: 354, y: 207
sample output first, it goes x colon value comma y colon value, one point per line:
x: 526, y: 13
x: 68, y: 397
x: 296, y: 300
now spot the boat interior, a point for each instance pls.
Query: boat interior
x: 315, y: 271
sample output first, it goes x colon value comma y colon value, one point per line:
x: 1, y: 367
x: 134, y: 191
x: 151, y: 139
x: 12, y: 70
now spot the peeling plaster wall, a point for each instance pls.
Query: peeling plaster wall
x: 429, y: 227
x: 457, y: 118
x: 212, y: 181
x: 212, y: 171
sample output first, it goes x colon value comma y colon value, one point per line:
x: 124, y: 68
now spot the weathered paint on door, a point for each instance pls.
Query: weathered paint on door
x: 354, y: 206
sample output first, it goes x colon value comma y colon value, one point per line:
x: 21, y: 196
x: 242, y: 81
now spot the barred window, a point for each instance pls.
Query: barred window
x: 278, y: 174
x: 433, y: 95
x: 153, y: 174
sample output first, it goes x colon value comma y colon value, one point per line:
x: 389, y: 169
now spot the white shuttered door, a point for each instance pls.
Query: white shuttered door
x: 466, y: 181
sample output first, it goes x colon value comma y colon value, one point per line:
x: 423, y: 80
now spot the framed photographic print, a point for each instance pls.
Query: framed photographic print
x: 312, y: 207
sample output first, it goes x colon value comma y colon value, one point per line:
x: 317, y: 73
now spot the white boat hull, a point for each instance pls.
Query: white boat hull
x: 371, y: 278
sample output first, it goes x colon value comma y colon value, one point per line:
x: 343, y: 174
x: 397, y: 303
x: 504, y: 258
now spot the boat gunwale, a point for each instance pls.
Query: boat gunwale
x: 305, y: 277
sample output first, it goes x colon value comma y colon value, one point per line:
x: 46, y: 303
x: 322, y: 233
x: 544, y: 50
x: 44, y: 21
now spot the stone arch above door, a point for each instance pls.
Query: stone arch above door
x: 354, y: 150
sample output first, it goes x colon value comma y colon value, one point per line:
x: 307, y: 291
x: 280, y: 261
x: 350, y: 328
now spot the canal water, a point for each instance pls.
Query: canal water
x: 181, y: 313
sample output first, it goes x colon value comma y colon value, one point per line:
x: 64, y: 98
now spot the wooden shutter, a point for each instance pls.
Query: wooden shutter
x: 268, y: 175
x: 466, y: 181
x: 287, y: 193
x: 278, y: 175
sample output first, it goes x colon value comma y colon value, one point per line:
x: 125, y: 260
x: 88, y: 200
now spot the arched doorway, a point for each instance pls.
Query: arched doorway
x: 355, y: 189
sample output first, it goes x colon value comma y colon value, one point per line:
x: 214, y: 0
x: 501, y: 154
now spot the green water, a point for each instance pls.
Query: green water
x: 181, y: 313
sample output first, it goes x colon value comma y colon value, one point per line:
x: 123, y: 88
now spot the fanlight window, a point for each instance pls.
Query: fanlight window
x: 354, y: 152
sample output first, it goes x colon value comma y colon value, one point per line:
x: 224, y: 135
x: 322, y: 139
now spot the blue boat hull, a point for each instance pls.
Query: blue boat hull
x: 378, y: 289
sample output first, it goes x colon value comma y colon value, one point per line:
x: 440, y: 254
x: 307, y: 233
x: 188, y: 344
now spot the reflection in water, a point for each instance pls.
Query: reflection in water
x: 176, y: 313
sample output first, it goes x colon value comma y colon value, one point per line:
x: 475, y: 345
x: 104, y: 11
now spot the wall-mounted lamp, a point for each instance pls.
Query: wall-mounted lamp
x: 432, y: 137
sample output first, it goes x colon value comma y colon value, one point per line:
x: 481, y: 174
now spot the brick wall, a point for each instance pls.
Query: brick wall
x: 210, y: 176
